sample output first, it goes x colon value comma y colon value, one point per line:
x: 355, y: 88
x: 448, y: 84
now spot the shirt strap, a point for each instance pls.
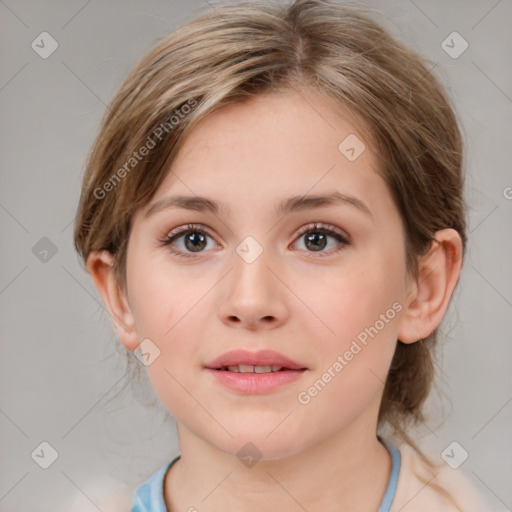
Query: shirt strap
x: 393, y: 479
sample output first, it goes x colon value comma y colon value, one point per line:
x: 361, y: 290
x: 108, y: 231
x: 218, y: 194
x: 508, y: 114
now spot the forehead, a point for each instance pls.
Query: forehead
x: 274, y: 126
x: 277, y: 145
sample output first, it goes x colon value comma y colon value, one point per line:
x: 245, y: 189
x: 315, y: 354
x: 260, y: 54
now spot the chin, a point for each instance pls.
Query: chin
x: 253, y: 445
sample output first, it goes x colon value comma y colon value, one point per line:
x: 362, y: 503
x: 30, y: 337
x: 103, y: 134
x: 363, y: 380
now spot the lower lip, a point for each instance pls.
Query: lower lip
x: 255, y: 383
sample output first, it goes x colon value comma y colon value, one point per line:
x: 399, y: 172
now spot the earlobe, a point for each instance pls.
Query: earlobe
x: 100, y: 265
x: 429, y: 296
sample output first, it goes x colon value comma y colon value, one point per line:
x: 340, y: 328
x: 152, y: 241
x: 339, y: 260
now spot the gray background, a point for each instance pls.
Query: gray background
x: 60, y: 371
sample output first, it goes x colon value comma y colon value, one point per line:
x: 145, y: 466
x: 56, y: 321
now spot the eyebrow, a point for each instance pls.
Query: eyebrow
x: 296, y: 203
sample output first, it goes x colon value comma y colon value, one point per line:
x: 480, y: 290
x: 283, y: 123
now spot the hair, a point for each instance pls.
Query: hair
x: 232, y: 53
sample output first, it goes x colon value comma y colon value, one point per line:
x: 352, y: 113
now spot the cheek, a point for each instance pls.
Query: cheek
x: 359, y: 311
x: 353, y: 363
x: 162, y: 295
x: 352, y: 300
x: 168, y: 311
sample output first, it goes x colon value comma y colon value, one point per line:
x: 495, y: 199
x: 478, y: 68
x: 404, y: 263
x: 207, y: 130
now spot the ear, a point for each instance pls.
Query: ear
x: 100, y: 265
x: 429, y: 295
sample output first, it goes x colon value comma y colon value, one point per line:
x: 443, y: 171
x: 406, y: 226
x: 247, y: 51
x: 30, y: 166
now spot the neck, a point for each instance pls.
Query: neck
x: 345, y: 472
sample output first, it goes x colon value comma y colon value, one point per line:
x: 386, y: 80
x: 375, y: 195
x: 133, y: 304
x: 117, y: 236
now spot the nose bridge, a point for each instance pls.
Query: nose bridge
x: 251, y: 268
x: 254, y: 294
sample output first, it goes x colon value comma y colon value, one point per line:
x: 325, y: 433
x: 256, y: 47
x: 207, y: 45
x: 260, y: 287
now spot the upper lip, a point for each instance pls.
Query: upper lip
x: 260, y: 358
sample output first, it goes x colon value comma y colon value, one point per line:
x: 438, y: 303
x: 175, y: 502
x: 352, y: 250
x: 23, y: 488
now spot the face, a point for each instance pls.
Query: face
x: 320, y: 284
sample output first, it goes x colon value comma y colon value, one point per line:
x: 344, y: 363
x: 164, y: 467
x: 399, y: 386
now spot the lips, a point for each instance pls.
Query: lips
x: 245, y: 358
x: 254, y: 373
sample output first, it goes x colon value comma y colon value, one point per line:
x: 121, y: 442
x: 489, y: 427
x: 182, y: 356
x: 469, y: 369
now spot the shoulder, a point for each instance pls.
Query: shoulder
x: 420, y: 489
x: 106, y: 494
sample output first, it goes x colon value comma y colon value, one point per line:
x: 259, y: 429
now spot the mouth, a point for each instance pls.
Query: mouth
x: 252, y: 373
x: 245, y: 361
x: 249, y: 368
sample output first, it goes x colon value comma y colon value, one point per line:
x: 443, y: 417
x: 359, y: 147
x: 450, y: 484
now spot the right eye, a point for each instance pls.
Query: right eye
x: 193, y: 238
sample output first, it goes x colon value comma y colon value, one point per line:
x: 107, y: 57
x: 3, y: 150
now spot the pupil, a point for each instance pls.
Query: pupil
x: 197, y: 241
x: 315, y: 239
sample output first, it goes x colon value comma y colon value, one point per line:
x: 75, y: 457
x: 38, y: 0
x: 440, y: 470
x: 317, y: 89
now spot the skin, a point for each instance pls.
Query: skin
x: 307, y: 305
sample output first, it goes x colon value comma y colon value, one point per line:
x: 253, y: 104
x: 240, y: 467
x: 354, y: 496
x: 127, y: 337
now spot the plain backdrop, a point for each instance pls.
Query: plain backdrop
x: 60, y: 373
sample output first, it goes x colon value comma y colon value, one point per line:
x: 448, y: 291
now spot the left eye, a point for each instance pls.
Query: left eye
x: 315, y: 237
x: 195, y: 239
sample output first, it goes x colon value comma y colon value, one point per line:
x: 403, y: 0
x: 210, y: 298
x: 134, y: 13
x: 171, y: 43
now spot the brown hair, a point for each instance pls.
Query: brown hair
x: 233, y: 52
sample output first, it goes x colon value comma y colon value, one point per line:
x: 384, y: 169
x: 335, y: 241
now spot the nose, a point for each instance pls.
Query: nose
x: 255, y: 295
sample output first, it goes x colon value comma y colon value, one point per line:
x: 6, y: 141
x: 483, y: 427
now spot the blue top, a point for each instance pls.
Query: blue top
x: 149, y: 496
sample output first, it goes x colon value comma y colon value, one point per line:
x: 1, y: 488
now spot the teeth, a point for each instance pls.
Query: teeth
x: 248, y: 368
x: 262, y: 369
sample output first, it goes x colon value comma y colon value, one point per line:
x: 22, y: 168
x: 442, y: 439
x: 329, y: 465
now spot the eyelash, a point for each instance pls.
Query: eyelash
x: 316, y: 227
